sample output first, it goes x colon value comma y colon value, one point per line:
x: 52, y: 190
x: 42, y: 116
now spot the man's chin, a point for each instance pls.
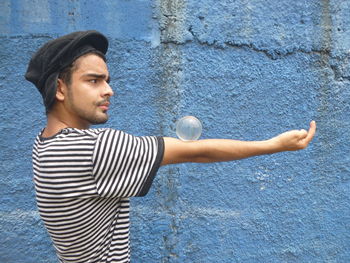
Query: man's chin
x: 100, y: 120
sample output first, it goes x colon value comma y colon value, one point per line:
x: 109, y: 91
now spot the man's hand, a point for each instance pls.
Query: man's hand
x: 294, y: 140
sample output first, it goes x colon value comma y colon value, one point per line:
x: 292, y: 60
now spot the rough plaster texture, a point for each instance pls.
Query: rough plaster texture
x: 248, y: 69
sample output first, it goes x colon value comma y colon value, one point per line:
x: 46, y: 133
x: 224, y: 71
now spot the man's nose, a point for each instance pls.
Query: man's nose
x: 108, y: 91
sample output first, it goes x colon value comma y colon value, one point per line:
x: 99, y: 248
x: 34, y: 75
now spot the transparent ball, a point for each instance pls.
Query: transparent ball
x: 188, y: 128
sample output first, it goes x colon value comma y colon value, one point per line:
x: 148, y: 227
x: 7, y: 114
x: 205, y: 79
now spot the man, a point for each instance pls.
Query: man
x: 84, y: 177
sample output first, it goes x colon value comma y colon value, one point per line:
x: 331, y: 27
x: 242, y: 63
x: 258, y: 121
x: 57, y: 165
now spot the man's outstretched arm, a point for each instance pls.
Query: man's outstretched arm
x: 220, y: 150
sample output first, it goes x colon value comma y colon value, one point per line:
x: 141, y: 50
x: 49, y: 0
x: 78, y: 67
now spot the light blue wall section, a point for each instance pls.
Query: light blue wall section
x: 249, y: 70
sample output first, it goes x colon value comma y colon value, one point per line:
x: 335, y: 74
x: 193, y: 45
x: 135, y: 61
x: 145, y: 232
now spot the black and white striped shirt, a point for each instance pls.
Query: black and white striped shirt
x: 83, y: 181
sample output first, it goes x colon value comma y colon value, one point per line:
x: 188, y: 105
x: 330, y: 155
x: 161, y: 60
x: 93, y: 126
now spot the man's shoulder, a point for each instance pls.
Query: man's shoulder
x: 91, y: 131
x: 97, y: 131
x: 69, y: 133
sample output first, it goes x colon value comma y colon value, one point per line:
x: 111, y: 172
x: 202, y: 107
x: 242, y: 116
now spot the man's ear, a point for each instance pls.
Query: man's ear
x: 61, y: 90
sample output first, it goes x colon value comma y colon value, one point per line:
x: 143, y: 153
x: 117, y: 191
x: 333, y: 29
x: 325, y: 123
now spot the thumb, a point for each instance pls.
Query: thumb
x: 311, y: 132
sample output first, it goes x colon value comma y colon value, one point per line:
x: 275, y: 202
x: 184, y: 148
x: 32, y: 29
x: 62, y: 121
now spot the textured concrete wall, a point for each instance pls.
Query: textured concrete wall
x: 248, y: 69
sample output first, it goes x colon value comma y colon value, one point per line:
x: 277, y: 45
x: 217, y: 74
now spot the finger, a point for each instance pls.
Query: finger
x: 311, y: 132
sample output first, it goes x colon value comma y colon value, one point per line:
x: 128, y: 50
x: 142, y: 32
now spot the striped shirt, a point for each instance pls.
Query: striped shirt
x: 83, y: 181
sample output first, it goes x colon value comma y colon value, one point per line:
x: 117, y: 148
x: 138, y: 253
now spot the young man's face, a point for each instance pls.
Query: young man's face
x: 88, y: 94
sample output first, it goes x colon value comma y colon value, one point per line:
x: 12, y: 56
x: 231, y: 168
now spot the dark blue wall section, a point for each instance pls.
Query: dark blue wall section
x: 248, y: 70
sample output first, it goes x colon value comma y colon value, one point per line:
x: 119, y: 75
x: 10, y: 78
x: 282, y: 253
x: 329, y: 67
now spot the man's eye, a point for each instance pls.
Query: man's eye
x: 93, y: 80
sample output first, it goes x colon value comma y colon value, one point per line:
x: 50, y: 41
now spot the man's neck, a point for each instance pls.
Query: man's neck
x: 56, y: 123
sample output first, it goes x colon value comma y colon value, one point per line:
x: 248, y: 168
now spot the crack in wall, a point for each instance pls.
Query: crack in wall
x: 325, y: 51
x: 272, y: 53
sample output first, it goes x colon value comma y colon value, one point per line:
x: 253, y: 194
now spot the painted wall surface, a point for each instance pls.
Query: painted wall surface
x: 248, y: 69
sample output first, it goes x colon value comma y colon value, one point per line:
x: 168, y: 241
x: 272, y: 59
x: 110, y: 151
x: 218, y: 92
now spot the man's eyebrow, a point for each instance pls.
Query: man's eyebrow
x: 98, y: 76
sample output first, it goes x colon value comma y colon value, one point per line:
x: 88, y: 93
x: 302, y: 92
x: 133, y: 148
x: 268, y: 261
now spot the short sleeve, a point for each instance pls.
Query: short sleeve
x: 125, y: 165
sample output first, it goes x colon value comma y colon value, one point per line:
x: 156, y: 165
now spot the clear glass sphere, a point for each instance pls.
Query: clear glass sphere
x: 188, y: 128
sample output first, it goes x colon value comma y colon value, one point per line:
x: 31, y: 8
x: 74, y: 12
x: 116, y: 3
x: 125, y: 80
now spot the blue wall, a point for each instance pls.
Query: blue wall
x: 248, y: 69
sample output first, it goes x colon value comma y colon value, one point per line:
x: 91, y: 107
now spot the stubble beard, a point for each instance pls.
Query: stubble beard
x: 91, y: 116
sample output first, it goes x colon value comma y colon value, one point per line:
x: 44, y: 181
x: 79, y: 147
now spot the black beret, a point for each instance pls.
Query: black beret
x: 46, y: 64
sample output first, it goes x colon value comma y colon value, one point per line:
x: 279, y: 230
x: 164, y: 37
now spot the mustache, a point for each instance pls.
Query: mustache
x: 105, y: 101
